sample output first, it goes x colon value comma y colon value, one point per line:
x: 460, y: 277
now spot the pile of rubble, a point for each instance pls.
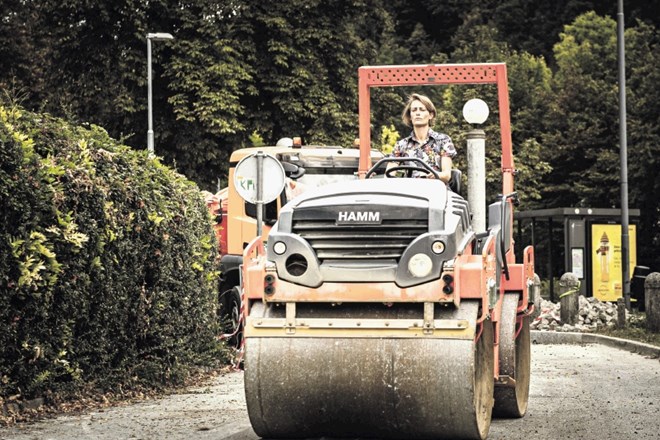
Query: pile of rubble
x: 593, y: 314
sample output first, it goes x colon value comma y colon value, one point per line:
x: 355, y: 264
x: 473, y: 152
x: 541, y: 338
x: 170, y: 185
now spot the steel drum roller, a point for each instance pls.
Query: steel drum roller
x: 300, y: 387
x: 515, y: 361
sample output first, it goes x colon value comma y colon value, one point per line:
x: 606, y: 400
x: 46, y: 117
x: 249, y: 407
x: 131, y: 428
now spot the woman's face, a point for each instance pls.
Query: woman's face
x: 419, y: 115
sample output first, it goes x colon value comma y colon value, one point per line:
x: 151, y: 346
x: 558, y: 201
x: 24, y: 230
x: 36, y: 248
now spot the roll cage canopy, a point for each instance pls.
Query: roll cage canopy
x: 435, y: 74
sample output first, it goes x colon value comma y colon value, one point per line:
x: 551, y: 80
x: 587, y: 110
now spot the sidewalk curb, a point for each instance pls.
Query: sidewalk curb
x: 546, y: 337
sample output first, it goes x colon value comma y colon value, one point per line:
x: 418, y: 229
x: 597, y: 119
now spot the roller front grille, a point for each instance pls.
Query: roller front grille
x: 386, y: 240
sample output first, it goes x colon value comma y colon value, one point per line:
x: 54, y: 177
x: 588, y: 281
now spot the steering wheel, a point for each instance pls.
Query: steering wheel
x: 414, y: 164
x: 409, y: 169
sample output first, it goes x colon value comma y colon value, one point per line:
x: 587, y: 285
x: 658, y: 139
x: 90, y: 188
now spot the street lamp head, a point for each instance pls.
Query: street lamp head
x: 159, y: 36
x: 475, y: 111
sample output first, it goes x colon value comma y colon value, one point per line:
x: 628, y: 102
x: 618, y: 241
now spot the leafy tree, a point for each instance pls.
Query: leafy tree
x: 241, y: 68
x: 207, y: 76
x: 270, y: 70
x: 643, y: 133
x: 534, y: 27
x: 95, y: 69
x: 306, y: 59
x: 423, y: 25
x: 529, y: 87
x: 581, y: 120
x: 582, y: 133
x: 18, y: 57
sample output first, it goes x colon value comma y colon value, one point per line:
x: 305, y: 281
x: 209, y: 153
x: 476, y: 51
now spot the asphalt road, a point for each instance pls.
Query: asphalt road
x: 586, y: 392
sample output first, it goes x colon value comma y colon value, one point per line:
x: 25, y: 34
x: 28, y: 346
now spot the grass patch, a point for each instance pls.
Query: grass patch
x: 635, y: 331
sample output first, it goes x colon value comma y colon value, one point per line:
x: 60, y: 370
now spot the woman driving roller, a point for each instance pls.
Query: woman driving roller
x: 436, y: 149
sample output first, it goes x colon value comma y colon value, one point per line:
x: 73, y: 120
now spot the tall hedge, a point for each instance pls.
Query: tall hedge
x: 106, y: 263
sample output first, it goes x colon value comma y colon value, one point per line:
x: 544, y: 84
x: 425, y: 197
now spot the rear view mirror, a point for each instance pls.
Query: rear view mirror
x: 292, y: 170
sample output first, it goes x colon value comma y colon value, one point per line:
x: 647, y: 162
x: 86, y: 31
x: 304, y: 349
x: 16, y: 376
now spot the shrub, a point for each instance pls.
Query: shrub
x: 107, y: 275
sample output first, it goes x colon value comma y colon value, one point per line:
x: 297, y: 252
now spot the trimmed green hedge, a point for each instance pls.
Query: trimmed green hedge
x: 107, y: 274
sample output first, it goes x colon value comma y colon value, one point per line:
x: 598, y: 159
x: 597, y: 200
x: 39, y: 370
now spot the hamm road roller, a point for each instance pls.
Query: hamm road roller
x: 376, y: 310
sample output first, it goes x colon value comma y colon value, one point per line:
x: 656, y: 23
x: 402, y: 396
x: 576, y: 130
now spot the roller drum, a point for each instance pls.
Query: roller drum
x: 370, y: 387
x: 515, y: 361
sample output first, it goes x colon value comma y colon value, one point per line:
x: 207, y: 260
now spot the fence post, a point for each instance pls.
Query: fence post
x: 569, y: 290
x: 652, y: 301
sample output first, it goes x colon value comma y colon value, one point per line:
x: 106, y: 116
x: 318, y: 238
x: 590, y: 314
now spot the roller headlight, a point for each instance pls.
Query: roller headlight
x: 279, y: 248
x: 420, y: 265
x: 438, y: 247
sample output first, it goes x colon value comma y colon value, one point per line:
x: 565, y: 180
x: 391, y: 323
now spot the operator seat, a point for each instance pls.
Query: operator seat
x: 455, y: 181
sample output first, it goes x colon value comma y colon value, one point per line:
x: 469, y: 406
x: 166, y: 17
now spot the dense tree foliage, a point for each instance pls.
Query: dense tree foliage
x: 643, y: 129
x: 581, y: 122
x: 582, y: 130
x: 529, y: 88
x: 247, y: 69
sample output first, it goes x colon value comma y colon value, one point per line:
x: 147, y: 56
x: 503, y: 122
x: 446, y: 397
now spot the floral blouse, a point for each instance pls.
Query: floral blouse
x: 436, y: 146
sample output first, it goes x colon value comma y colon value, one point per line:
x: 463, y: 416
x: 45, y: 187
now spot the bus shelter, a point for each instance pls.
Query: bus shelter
x: 584, y: 241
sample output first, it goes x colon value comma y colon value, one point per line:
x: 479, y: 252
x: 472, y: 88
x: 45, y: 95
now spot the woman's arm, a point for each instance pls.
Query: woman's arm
x: 445, y: 172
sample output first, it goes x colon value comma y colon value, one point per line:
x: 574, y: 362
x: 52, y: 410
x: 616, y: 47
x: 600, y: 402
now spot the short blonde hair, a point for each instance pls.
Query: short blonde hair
x: 405, y: 115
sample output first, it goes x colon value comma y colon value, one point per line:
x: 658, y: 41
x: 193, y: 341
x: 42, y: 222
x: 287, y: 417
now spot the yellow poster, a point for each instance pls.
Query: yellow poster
x: 606, y: 273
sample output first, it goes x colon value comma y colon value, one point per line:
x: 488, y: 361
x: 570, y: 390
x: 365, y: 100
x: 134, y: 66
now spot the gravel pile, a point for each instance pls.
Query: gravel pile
x: 593, y: 314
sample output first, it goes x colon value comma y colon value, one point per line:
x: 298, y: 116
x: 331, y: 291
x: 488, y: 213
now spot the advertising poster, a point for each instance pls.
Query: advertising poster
x: 606, y: 260
x: 577, y: 262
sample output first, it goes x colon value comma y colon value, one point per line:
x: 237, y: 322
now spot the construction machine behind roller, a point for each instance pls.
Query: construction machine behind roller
x: 377, y: 311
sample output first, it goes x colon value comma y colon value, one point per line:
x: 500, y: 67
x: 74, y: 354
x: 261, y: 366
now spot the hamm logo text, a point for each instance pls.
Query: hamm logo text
x: 358, y: 217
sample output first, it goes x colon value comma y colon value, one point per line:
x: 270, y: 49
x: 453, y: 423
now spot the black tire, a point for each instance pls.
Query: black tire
x: 230, y: 316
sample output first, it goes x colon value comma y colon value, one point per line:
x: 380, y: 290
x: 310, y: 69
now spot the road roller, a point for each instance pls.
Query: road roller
x: 376, y: 310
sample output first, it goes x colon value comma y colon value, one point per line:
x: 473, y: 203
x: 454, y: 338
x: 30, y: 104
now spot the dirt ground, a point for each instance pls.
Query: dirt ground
x: 196, y: 413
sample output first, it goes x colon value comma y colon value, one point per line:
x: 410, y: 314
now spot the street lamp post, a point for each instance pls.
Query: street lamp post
x: 158, y: 36
x: 623, y: 157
